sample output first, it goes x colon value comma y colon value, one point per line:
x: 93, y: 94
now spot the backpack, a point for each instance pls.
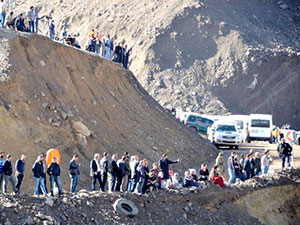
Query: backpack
x: 1, y: 165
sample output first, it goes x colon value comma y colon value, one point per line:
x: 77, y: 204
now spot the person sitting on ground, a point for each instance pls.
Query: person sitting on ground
x: 215, y: 177
x: 54, y: 173
x: 153, y: 181
x: 188, y: 180
x: 10, y: 20
x: 176, y: 182
x: 76, y: 43
x: 194, y: 175
x: 20, y: 23
x: 169, y: 184
x: 203, y: 172
x: 155, y: 169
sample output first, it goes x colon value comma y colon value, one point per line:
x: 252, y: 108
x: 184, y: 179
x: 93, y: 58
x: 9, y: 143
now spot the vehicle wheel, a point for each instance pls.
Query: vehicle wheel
x: 236, y: 147
x: 125, y: 207
x: 271, y: 141
x: 248, y: 140
x: 217, y: 146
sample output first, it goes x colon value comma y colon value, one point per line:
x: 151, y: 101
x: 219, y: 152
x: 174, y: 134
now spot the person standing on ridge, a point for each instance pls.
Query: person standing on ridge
x: 1, y: 170
x: 8, y: 171
x: 74, y: 172
x: 285, y: 152
x: 104, y: 170
x: 95, y: 171
x: 38, y: 170
x: 113, y: 171
x: 54, y: 173
x: 31, y: 19
x: 3, y: 8
x: 20, y: 169
x: 164, y: 163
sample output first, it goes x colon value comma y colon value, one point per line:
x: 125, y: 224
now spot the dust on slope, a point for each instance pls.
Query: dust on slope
x: 50, y: 86
x: 201, y: 55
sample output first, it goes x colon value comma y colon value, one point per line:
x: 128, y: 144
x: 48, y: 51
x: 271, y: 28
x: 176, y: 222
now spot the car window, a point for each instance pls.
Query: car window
x: 260, y: 123
x: 226, y: 128
x: 191, y: 118
x: 200, y: 119
x: 239, y: 124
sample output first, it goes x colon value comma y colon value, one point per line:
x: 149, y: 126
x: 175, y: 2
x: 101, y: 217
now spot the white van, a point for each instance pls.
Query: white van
x: 260, y: 128
x: 242, y: 123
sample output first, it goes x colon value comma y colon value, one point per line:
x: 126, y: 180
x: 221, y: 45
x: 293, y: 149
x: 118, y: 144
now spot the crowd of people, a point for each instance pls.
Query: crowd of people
x: 105, y: 47
x: 130, y: 174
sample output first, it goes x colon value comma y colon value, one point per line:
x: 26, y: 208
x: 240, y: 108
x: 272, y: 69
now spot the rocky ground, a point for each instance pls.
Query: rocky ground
x: 210, y: 204
x: 200, y: 55
x: 55, y: 96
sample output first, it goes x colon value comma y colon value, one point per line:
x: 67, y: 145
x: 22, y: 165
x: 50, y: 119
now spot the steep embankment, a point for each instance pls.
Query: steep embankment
x: 47, y: 86
x: 201, y: 55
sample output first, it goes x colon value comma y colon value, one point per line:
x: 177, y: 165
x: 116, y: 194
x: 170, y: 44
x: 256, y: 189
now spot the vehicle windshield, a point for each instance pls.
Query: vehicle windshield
x: 239, y: 124
x: 260, y: 123
x: 226, y: 128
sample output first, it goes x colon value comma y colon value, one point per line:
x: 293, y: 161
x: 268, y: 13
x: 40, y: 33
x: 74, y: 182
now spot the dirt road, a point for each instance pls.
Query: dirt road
x: 260, y: 147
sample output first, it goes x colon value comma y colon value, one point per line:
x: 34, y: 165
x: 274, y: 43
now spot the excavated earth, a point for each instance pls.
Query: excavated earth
x: 254, y: 202
x: 200, y: 55
x: 47, y: 87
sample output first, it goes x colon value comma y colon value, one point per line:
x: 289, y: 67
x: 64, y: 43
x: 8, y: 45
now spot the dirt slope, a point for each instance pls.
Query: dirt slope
x: 201, y: 55
x: 49, y: 86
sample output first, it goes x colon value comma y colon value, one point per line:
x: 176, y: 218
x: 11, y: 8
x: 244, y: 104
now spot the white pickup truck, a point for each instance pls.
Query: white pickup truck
x: 224, y: 134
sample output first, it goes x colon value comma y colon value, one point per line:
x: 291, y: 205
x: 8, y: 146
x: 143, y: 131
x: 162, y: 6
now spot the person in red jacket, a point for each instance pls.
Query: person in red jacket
x: 215, y: 178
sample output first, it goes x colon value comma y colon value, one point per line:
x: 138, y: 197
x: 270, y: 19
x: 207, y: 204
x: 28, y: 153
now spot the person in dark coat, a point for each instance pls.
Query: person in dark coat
x: 8, y: 171
x: 118, y: 52
x: 20, y: 23
x: 164, y: 166
x: 113, y: 172
x: 247, y: 167
x: 121, y: 172
x: 38, y: 173
x: 285, y: 152
x: 204, y: 173
x: 74, y: 172
x: 126, y: 178
x: 20, y: 169
x: 54, y: 173
x: 2, y: 161
x: 126, y: 54
x: 104, y: 170
x: 142, y: 171
x: 95, y: 171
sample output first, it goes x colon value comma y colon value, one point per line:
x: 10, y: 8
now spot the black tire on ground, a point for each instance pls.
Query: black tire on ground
x: 248, y: 140
x: 237, y: 147
x: 217, y: 146
x: 125, y: 207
